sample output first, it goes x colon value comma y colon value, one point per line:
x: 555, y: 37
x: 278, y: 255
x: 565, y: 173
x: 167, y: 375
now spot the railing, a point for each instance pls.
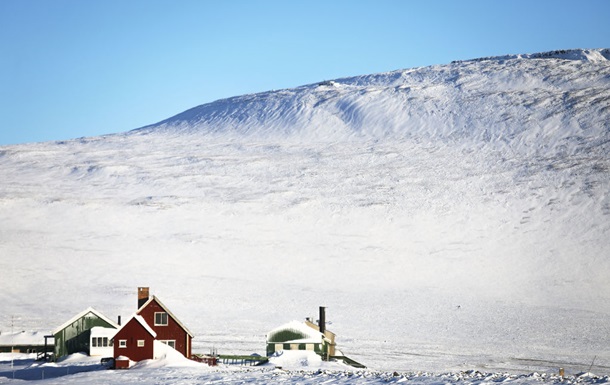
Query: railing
x: 348, y: 361
x: 243, y: 360
x: 203, y: 358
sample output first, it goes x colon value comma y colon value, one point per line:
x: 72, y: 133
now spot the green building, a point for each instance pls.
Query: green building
x: 74, y: 336
x: 297, y: 335
x: 308, y: 335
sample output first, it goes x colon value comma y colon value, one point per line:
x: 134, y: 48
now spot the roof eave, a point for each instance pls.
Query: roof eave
x: 82, y: 314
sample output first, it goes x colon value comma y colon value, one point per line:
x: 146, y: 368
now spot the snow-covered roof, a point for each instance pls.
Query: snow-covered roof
x: 142, y: 322
x: 22, y: 338
x: 154, y: 298
x: 306, y: 333
x: 99, y: 331
x: 82, y: 314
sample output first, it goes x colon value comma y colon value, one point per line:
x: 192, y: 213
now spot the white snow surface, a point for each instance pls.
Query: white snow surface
x: 451, y: 218
x: 22, y: 338
x: 79, y: 369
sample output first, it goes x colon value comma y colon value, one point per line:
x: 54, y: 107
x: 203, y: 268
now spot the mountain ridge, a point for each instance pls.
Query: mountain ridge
x: 505, y: 99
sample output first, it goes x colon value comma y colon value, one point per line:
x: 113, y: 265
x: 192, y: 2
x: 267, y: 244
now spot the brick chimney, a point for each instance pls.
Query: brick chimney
x: 143, y: 293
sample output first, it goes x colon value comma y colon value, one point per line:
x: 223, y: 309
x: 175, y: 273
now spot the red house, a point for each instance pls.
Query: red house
x: 152, y: 322
x: 164, y: 323
x: 134, y: 340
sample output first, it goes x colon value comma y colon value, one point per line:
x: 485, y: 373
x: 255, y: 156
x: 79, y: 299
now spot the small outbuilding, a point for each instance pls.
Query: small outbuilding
x: 25, y: 342
x: 297, y: 335
x: 307, y: 335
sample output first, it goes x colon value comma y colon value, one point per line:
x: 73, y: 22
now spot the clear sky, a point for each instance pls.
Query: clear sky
x: 73, y: 68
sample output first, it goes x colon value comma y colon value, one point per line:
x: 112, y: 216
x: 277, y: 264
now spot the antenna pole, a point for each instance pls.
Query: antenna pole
x: 592, y: 362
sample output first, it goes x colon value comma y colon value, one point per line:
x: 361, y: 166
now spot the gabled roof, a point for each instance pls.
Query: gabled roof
x: 82, y: 314
x: 154, y: 298
x: 142, y: 322
x: 299, y: 331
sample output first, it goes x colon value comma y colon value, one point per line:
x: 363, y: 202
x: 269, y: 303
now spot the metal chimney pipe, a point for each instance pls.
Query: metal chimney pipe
x: 322, y: 320
x: 119, y: 320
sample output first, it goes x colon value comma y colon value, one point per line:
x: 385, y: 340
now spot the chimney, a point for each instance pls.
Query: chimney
x: 322, y: 320
x: 142, y: 296
x: 118, y: 321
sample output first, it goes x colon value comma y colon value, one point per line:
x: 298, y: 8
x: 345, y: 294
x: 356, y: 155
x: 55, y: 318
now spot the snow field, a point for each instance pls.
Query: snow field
x: 451, y: 218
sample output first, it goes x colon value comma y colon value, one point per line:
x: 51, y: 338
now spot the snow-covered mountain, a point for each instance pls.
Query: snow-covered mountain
x: 528, y: 103
x: 450, y: 217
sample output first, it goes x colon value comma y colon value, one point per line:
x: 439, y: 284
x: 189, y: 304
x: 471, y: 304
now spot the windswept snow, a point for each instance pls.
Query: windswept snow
x: 81, y: 371
x: 451, y: 217
x: 529, y: 105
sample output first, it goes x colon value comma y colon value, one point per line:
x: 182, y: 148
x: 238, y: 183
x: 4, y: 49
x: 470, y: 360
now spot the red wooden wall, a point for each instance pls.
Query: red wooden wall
x: 132, y: 332
x: 173, y: 330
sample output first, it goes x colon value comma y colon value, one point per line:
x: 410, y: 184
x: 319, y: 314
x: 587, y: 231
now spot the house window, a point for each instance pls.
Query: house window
x: 171, y: 343
x: 160, y: 319
x: 140, y: 343
x: 99, y: 342
x: 122, y: 343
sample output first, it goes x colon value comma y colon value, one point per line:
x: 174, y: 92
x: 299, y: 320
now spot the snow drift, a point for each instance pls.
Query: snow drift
x: 450, y: 217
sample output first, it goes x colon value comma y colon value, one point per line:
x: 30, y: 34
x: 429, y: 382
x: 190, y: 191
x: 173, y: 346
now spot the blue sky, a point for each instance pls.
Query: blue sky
x: 73, y: 68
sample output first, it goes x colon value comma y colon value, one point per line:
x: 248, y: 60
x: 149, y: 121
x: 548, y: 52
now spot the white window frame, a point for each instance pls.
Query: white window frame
x: 99, y: 342
x: 161, y: 318
x: 141, y: 343
x: 170, y: 343
x: 122, y: 343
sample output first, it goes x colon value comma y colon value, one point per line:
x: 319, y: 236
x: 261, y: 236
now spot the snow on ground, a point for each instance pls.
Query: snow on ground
x: 19, y: 367
x: 450, y: 217
x: 304, y: 360
x: 301, y: 368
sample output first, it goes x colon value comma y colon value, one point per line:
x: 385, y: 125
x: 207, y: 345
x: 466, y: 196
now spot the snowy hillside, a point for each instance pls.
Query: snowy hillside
x: 533, y: 106
x: 450, y: 217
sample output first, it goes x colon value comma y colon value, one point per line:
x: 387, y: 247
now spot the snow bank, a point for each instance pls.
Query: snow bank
x: 29, y: 369
x: 78, y: 359
x: 166, y: 356
x: 303, y: 360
